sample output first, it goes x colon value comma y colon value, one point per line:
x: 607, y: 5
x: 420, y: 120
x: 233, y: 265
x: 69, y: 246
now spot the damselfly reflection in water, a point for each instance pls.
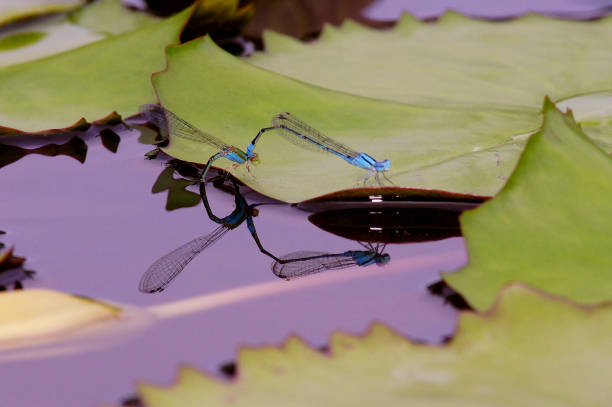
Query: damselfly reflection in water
x: 298, y: 264
x: 301, y: 134
x: 168, y: 267
x: 303, y: 263
x: 170, y: 125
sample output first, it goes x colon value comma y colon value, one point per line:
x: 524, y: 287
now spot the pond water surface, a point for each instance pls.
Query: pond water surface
x: 94, y: 228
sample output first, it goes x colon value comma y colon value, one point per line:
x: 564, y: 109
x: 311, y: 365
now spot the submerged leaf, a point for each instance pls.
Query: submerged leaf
x: 530, y: 350
x: 550, y: 225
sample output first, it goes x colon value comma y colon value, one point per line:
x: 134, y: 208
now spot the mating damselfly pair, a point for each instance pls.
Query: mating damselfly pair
x: 289, y: 125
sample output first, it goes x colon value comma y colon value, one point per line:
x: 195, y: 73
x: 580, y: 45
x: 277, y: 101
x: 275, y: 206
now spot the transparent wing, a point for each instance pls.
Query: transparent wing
x: 170, y: 124
x: 303, y: 263
x: 166, y: 268
x: 289, y: 125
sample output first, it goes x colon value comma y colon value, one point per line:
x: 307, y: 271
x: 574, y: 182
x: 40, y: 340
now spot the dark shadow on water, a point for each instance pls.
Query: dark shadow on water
x: 72, y: 143
x: 390, y: 225
x: 450, y: 296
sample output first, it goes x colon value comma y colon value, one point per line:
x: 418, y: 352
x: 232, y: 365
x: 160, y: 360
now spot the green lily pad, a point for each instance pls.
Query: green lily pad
x: 459, y: 62
x: 44, y: 313
x: 530, y: 350
x: 467, y: 151
x: 550, y: 225
x: 42, y: 38
x: 110, y: 17
x: 91, y: 81
x: 13, y: 10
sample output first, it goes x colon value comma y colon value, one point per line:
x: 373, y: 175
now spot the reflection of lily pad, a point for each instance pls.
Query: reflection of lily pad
x: 463, y: 151
x: 75, y: 148
x: 178, y: 195
x: 550, y: 225
x: 530, y: 350
x: 50, y: 93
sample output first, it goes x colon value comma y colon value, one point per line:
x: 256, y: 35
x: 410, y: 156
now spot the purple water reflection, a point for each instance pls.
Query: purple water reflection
x: 93, y: 229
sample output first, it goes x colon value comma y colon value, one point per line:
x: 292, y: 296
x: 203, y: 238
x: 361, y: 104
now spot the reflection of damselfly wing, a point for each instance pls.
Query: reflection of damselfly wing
x: 166, y: 268
x: 304, y: 263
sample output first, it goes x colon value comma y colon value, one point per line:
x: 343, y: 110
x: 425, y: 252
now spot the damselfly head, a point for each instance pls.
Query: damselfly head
x: 254, y: 158
x: 383, y: 259
x: 384, y: 165
x: 253, y: 211
x: 228, y: 150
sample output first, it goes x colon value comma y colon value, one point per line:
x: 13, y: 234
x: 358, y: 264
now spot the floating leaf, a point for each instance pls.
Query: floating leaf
x: 13, y: 10
x: 459, y: 62
x: 31, y: 315
x: 42, y: 38
x: 461, y: 151
x: 111, y: 17
x: 469, y: 146
x: 550, y: 225
x: 530, y: 350
x: 49, y: 93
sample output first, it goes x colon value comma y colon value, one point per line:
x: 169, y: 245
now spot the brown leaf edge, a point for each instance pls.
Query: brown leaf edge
x: 81, y: 126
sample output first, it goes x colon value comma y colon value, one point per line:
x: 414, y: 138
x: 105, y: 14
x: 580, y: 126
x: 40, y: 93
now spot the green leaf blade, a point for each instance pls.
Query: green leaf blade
x: 91, y: 81
x: 550, y: 224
